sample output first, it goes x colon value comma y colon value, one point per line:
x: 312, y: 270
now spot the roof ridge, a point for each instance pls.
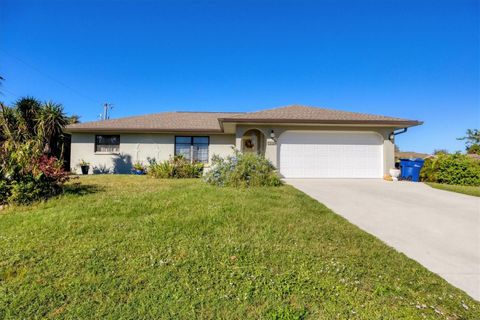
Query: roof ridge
x: 208, y: 112
x: 156, y: 113
x: 321, y: 108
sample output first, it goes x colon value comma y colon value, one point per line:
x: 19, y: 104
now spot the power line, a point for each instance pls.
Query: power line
x: 17, y: 96
x: 50, y: 77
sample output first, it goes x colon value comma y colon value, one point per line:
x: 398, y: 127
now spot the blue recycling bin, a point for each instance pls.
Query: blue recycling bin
x: 410, y: 169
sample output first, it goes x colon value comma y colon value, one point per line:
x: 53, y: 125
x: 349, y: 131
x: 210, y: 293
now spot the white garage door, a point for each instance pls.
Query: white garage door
x: 331, y: 154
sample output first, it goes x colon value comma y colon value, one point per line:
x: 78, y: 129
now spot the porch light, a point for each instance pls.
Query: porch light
x: 272, y: 135
x: 392, y: 135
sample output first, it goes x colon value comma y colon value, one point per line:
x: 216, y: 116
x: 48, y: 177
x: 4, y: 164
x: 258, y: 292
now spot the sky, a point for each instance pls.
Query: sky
x: 411, y: 59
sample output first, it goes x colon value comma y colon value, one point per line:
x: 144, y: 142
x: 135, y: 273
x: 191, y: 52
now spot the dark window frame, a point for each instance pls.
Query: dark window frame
x: 106, y: 135
x: 192, y: 145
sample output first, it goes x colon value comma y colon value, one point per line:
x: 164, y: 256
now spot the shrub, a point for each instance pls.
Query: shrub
x: 474, y: 149
x: 175, y: 168
x: 440, y: 151
x: 456, y: 169
x: 26, y: 175
x: 52, y: 170
x: 242, y: 170
x: 29, y: 189
x: 4, y: 190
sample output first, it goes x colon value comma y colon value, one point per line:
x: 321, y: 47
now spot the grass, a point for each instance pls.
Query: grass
x: 131, y: 247
x: 469, y: 190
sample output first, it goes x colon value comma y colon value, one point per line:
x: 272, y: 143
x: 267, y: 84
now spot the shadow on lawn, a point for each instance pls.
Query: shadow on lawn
x: 80, y: 189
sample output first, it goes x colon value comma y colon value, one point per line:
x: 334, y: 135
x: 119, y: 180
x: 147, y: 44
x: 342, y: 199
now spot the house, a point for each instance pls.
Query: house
x: 301, y: 141
x: 411, y: 155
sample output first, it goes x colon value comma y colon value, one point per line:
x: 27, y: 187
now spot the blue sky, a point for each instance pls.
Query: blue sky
x: 412, y: 59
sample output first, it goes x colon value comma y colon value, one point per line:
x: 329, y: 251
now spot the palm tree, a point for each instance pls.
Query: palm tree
x: 50, y: 122
x: 30, y: 120
x: 74, y: 118
x: 27, y: 110
x: 8, y: 124
x: 2, y: 134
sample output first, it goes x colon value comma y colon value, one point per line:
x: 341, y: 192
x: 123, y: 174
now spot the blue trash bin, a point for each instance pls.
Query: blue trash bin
x: 410, y: 169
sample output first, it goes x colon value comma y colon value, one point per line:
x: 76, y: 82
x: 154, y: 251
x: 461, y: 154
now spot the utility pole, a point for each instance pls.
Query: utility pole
x: 107, y: 106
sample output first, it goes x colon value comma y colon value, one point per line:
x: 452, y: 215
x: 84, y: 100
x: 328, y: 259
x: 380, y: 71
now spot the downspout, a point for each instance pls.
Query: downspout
x: 392, y: 135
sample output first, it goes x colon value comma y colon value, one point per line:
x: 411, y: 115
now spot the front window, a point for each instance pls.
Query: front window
x: 192, y: 148
x: 110, y: 143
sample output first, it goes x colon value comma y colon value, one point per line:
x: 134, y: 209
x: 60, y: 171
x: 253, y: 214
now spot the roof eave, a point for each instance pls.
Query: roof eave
x: 394, y: 123
x: 139, y: 130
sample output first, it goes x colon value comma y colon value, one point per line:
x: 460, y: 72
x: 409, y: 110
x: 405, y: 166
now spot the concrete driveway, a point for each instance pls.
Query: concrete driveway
x: 439, y: 229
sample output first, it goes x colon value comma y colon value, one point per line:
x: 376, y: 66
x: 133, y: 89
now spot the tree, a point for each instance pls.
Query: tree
x: 8, y: 124
x: 74, y: 118
x: 50, y: 122
x: 474, y: 149
x: 29, y: 120
x: 26, y: 112
x: 472, y: 139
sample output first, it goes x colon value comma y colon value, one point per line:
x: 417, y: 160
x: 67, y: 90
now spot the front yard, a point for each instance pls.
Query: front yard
x: 468, y: 190
x: 132, y: 247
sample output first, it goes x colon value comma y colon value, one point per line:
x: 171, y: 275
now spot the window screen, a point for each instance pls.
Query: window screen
x: 110, y: 143
x: 200, y: 149
x: 192, y: 148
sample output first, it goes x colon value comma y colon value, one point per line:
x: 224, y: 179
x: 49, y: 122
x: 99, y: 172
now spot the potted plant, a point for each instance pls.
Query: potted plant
x: 138, y: 168
x: 85, y: 166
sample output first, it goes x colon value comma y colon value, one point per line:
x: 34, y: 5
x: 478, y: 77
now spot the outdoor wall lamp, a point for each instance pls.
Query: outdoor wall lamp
x: 272, y: 135
x: 392, y: 135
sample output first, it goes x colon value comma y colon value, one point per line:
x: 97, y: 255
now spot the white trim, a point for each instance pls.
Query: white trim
x: 100, y: 153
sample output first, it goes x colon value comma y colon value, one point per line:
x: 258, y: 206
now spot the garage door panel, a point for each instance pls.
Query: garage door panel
x: 314, y: 154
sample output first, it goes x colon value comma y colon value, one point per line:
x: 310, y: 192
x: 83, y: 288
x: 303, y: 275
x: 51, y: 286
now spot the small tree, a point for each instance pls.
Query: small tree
x: 440, y: 151
x: 472, y: 140
x: 474, y: 149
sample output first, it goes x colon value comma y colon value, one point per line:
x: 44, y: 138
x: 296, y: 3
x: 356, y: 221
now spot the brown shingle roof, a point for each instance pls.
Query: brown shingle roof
x: 165, y: 121
x: 211, y: 121
x: 411, y: 155
x: 297, y: 113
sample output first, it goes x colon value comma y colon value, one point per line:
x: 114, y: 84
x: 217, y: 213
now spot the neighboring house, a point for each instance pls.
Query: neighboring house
x: 411, y: 155
x: 303, y: 142
x: 474, y: 156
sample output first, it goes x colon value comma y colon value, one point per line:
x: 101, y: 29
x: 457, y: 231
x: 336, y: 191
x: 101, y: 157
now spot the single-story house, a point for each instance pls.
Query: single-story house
x: 301, y: 141
x: 411, y: 155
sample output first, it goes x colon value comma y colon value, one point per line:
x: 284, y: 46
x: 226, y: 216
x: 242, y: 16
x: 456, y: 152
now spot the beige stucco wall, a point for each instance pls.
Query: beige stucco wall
x: 271, y: 151
x: 140, y: 146
x: 137, y: 147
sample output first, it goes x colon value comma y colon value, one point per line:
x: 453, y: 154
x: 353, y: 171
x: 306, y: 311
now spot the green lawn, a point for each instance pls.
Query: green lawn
x: 470, y: 190
x: 130, y: 247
